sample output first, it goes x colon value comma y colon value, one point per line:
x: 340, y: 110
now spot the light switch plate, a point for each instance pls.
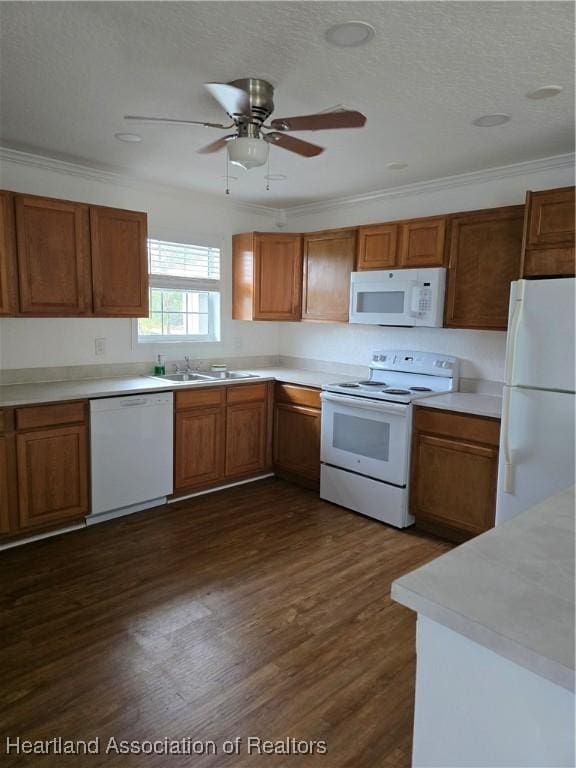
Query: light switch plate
x: 100, y: 346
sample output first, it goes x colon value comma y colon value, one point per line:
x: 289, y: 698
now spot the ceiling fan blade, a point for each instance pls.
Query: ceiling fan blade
x: 216, y: 146
x: 343, y: 118
x: 292, y: 144
x: 173, y: 121
x: 233, y: 100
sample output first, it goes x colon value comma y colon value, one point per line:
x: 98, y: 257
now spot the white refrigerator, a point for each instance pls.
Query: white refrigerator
x: 536, y: 457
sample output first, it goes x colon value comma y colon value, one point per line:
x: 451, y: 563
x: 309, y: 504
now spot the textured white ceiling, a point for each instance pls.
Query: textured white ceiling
x: 71, y: 70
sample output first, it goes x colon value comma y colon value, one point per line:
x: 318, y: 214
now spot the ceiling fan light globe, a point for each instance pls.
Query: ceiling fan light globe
x: 247, y: 152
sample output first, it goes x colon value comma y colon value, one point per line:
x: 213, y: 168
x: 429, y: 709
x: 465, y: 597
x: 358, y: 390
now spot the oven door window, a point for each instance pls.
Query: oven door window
x: 361, y: 436
x: 380, y: 302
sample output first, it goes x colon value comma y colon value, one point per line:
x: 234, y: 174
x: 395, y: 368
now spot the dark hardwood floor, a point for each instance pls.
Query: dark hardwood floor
x: 257, y: 611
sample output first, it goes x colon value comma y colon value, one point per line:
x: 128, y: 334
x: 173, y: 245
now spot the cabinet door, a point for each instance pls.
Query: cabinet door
x: 246, y: 438
x: 454, y: 483
x: 119, y: 262
x: 52, y: 475
x: 53, y: 246
x: 484, y: 258
x: 422, y: 242
x: 5, y: 489
x: 8, y: 301
x: 277, y: 277
x: 329, y: 259
x: 297, y: 440
x: 377, y: 246
x: 199, y: 447
x: 550, y: 218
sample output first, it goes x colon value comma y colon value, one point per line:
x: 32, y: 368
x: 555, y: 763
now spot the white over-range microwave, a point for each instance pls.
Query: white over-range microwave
x: 398, y: 297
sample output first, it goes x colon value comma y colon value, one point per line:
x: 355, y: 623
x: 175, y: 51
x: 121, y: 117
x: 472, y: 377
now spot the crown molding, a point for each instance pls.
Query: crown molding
x: 92, y: 173
x: 435, y: 185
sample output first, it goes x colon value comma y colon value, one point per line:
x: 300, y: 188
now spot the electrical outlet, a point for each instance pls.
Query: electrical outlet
x: 100, y: 346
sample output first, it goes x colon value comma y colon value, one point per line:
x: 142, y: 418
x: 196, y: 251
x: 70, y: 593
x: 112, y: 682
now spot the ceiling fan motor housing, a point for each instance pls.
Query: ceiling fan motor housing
x: 261, y: 95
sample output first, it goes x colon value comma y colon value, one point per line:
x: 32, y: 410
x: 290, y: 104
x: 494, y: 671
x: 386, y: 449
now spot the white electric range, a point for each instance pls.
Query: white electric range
x: 366, y: 430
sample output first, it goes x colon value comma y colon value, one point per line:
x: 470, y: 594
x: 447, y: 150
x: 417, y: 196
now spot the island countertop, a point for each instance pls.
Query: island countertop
x: 510, y: 589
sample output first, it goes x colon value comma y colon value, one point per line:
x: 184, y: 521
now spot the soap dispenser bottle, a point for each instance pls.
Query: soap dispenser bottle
x: 159, y: 366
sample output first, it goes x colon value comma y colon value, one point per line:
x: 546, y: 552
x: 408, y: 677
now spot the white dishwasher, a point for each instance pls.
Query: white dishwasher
x: 131, y: 453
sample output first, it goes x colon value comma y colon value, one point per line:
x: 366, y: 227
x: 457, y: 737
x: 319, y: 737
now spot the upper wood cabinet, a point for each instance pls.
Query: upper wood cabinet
x: 8, y: 289
x: 119, y: 262
x: 484, y: 258
x: 422, y: 242
x: 329, y: 259
x: 53, y: 247
x: 548, y: 247
x: 377, y: 246
x: 266, y: 276
x: 65, y: 259
x: 454, y: 472
x: 402, y: 244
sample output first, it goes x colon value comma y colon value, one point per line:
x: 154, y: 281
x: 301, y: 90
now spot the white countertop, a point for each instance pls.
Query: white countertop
x: 85, y: 389
x: 465, y: 402
x: 510, y: 589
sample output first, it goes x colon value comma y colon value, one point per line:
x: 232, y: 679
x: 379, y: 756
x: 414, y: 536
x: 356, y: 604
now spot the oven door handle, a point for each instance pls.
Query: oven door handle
x: 382, y: 406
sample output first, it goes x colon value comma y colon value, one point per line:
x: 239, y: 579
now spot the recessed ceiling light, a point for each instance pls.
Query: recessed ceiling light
x: 276, y: 177
x: 396, y: 166
x: 490, y: 121
x: 350, y: 34
x: 129, y: 138
x: 545, y: 92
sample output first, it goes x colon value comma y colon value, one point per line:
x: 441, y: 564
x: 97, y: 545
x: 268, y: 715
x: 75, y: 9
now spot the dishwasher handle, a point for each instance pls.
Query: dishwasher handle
x: 134, y: 401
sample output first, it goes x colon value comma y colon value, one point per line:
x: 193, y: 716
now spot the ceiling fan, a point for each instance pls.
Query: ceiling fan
x: 249, y: 103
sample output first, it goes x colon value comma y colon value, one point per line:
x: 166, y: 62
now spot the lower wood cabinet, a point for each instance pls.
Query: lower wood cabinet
x: 454, y: 472
x: 7, y: 480
x: 297, y: 434
x: 199, y: 437
x: 221, y: 433
x: 43, y: 467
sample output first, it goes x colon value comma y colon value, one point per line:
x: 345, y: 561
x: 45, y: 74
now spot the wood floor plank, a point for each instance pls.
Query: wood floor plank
x: 260, y: 610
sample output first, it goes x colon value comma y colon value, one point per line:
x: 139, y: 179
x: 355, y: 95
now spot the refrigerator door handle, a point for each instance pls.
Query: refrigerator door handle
x: 512, y: 340
x: 505, y: 426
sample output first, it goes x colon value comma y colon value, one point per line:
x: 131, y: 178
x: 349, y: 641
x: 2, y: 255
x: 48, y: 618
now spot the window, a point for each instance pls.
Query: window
x: 184, y: 293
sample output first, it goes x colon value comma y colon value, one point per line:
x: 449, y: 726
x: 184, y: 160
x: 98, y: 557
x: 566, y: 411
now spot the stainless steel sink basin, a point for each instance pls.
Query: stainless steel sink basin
x: 233, y: 375
x: 183, y: 377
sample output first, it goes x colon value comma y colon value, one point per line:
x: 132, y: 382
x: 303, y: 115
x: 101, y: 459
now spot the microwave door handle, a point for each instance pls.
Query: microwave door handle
x: 382, y: 406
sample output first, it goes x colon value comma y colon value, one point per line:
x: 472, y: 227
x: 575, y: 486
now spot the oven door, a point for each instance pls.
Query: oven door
x: 369, y: 437
x: 383, y: 302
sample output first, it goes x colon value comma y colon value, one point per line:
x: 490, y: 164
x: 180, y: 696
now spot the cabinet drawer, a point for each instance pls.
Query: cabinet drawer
x: 50, y: 415
x: 297, y: 395
x: 247, y: 393
x: 197, y: 398
x: 478, y: 429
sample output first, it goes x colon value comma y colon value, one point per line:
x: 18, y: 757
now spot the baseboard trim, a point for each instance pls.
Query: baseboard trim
x: 219, y: 488
x: 38, y: 536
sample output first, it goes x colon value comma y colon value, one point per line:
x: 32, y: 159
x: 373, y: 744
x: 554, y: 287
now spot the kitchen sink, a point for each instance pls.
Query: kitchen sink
x: 233, y: 375
x: 183, y: 377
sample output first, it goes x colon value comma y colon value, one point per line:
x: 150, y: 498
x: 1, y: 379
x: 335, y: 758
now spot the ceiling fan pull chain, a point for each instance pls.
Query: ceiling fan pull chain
x: 268, y: 174
x: 227, y: 172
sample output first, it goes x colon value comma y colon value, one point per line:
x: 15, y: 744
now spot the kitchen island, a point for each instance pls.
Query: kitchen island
x: 495, y: 645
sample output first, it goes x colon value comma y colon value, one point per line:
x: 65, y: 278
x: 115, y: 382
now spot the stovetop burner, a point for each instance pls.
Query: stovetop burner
x: 349, y: 385
x: 396, y: 391
x: 368, y: 383
x: 420, y: 389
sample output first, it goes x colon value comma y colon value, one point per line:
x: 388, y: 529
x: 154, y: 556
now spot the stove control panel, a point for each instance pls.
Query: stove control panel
x: 407, y: 361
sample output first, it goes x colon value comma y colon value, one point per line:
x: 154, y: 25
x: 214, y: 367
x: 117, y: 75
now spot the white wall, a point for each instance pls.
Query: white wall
x: 482, y: 352
x: 28, y: 343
